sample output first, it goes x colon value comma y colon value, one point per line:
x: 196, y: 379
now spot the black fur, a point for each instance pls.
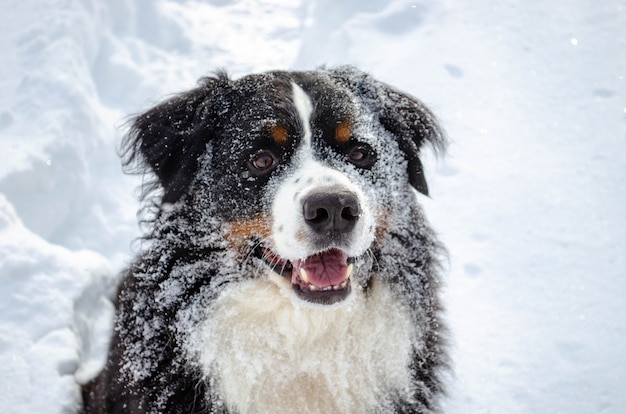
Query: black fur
x: 194, y: 146
x: 407, y: 118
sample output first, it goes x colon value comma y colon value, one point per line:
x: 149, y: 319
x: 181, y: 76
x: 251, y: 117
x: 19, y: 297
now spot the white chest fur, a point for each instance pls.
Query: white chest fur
x: 266, y: 355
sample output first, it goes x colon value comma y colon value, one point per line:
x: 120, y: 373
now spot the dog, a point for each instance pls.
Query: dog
x: 288, y: 265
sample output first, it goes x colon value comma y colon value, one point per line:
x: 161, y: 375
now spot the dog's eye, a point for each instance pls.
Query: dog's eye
x: 362, y: 156
x: 262, y: 163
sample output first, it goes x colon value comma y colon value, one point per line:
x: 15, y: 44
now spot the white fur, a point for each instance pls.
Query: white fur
x: 304, y: 106
x: 270, y: 356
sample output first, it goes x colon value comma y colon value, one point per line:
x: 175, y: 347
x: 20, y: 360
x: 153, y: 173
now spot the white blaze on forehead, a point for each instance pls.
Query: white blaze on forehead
x: 304, y: 106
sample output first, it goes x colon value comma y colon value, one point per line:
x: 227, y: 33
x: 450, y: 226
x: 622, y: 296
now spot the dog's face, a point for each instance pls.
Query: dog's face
x: 303, y: 171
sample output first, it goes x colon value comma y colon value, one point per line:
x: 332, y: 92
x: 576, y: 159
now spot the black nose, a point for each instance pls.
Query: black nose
x: 331, y: 211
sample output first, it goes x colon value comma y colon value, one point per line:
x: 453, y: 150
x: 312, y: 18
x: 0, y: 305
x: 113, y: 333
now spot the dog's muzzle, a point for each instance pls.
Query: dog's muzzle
x: 330, y: 217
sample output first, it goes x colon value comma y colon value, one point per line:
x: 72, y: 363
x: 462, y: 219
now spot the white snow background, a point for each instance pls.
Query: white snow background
x: 530, y: 201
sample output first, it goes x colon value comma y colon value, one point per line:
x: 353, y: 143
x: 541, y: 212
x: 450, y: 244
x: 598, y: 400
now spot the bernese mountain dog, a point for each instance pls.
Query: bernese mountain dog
x: 288, y: 266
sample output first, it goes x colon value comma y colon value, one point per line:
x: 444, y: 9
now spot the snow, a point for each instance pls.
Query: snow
x: 529, y: 201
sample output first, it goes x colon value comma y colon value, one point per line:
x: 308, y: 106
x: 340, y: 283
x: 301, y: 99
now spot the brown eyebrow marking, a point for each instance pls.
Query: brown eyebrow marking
x: 279, y: 134
x: 343, y: 132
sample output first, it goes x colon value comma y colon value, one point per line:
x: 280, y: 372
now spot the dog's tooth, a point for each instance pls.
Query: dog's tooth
x: 312, y: 287
x: 304, y: 276
x: 327, y: 288
x: 343, y: 284
x: 349, y: 271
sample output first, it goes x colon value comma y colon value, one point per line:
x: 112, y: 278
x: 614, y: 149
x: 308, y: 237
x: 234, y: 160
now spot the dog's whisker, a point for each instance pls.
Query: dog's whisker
x: 370, y: 253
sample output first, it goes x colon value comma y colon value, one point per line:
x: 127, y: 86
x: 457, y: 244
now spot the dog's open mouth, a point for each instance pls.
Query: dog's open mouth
x: 321, y: 278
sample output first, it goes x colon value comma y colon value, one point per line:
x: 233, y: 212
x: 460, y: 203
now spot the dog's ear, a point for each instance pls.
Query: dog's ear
x: 405, y: 117
x: 168, y: 139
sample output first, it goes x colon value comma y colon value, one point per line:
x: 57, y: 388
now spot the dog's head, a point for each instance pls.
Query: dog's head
x: 304, y: 171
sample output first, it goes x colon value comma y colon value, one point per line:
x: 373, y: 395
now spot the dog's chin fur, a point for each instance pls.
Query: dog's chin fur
x: 272, y: 353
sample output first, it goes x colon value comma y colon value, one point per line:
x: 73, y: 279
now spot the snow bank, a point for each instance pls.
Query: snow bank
x: 41, y: 306
x: 530, y: 201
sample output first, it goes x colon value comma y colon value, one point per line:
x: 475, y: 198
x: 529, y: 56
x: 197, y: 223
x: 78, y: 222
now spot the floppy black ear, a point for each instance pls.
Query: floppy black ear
x: 405, y: 117
x: 168, y: 139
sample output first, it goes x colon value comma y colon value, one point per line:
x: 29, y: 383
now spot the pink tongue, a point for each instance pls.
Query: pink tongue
x: 323, y: 269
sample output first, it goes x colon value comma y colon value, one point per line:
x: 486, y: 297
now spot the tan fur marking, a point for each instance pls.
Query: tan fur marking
x: 279, y: 134
x: 240, y: 231
x: 343, y: 132
x: 382, y: 224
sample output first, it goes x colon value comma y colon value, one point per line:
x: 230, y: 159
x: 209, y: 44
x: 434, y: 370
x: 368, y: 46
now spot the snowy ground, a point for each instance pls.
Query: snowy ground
x: 531, y: 200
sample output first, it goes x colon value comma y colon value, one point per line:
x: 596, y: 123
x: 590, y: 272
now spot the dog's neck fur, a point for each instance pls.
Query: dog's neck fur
x: 271, y: 356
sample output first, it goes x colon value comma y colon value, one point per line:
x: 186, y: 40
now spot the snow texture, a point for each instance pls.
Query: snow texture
x: 530, y: 201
